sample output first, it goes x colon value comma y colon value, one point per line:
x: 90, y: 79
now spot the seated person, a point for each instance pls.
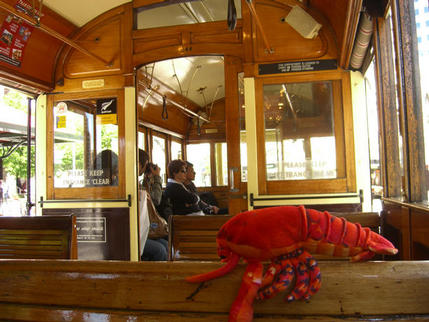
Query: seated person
x: 204, y: 206
x: 152, y: 181
x: 154, y: 249
x: 184, y: 202
x: 107, y: 161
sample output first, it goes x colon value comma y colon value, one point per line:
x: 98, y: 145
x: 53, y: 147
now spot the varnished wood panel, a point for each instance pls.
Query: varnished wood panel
x: 116, y: 221
x: 186, y: 40
x: 108, y: 37
x: 150, y: 286
x: 410, y: 99
x: 419, y: 223
x: 388, y: 116
x: 286, y: 43
x: 397, y: 228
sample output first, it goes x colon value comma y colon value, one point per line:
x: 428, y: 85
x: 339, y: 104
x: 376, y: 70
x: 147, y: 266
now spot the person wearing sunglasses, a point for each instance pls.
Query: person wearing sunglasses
x: 184, y: 202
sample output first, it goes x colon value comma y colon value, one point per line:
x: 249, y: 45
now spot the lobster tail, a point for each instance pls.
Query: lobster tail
x: 232, y: 262
x: 337, y: 237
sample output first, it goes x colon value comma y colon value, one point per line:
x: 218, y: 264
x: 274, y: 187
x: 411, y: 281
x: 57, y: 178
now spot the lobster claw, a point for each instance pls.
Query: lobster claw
x: 380, y: 245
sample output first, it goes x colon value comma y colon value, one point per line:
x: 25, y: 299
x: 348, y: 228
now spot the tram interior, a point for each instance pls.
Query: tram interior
x: 274, y: 102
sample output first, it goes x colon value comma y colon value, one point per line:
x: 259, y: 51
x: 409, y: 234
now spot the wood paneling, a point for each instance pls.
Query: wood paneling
x: 409, y: 99
x: 388, y: 115
x: 287, y: 43
x: 109, y: 239
x: 186, y: 40
x: 107, y: 36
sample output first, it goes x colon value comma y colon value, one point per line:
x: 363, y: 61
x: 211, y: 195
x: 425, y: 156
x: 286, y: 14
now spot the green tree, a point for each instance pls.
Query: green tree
x: 15, y: 100
x: 16, y: 163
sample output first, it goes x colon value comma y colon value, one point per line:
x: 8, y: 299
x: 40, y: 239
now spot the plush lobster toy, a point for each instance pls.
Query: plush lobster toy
x: 285, y: 235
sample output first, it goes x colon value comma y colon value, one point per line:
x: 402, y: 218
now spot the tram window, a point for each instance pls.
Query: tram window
x: 221, y: 164
x: 159, y: 155
x: 303, y: 134
x: 85, y: 150
x: 176, y: 150
x: 141, y: 142
x: 199, y: 156
x: 189, y: 12
x: 299, y: 131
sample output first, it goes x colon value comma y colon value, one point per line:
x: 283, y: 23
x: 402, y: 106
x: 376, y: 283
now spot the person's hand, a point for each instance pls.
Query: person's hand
x: 215, y: 209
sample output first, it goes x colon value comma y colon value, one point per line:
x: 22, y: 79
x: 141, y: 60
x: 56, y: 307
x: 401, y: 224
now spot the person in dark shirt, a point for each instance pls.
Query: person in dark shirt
x: 184, y: 202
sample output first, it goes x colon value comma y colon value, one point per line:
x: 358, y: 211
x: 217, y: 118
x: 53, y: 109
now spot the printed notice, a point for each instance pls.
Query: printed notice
x: 14, y: 35
x: 90, y: 229
x: 298, y: 66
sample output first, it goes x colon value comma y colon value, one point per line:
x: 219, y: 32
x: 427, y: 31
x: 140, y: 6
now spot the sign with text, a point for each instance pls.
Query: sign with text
x: 14, y: 34
x: 107, y: 111
x: 297, y: 66
x: 90, y: 229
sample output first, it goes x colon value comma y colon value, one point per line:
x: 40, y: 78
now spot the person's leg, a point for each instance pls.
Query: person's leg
x: 164, y: 242
x: 154, y: 251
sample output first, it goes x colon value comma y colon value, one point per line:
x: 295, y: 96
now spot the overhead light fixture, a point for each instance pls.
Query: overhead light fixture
x: 303, y: 23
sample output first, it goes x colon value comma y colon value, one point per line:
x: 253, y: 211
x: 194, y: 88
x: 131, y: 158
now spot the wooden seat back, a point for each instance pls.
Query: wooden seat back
x: 38, y: 237
x: 194, y: 237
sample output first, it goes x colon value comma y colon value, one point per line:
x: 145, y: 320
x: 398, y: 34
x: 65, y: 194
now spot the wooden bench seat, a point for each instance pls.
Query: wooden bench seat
x: 194, y: 237
x: 48, y: 290
x: 46, y: 237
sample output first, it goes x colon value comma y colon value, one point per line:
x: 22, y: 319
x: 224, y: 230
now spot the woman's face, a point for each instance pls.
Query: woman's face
x: 181, y: 175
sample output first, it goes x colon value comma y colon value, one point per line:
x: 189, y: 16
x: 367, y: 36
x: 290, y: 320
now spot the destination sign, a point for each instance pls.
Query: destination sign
x: 297, y: 66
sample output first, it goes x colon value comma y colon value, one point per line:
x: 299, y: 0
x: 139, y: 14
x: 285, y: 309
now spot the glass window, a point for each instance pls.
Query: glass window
x: 199, y: 156
x: 221, y: 164
x: 299, y: 131
x: 176, y: 150
x: 84, y: 151
x: 141, y: 140
x: 243, y: 141
x: 184, y: 13
x: 423, y: 46
x: 159, y: 155
x: 85, y: 143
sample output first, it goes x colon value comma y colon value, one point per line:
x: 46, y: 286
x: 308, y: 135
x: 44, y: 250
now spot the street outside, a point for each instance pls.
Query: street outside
x: 14, y: 207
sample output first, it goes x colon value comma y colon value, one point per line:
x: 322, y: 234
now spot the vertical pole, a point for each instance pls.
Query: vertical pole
x: 29, y: 203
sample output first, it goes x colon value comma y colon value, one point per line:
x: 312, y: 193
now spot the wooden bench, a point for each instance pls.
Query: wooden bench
x: 47, y: 290
x: 194, y: 237
x: 46, y: 237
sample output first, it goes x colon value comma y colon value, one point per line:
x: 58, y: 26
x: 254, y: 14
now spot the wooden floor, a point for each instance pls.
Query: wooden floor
x: 45, y: 290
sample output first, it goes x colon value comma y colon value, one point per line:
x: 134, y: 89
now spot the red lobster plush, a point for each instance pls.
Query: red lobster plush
x: 284, y: 235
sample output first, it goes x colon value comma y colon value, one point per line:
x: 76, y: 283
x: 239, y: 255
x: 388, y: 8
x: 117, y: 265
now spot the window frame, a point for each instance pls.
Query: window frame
x: 343, y: 129
x: 102, y: 192
x: 213, y: 172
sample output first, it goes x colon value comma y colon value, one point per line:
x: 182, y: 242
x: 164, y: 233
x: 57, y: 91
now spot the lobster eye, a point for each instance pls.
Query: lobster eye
x: 222, y: 257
